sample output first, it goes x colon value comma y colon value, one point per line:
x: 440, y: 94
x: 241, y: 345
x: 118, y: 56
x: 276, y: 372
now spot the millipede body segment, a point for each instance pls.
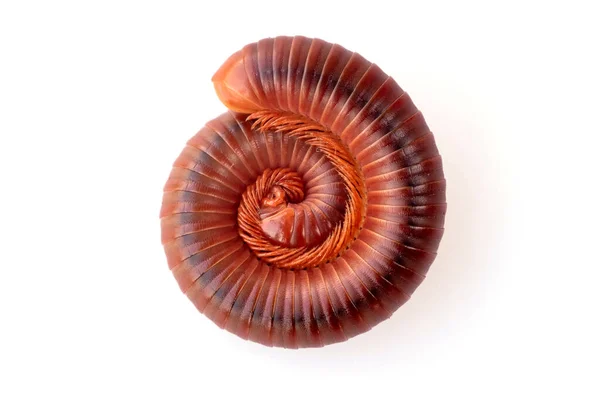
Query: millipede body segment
x: 313, y: 208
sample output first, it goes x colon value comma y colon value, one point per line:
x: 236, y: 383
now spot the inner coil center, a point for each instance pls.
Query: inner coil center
x: 277, y: 225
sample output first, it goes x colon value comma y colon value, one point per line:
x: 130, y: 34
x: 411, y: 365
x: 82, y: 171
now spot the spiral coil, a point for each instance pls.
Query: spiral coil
x: 313, y: 209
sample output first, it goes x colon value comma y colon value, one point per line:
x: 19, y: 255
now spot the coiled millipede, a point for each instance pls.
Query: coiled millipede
x: 313, y: 208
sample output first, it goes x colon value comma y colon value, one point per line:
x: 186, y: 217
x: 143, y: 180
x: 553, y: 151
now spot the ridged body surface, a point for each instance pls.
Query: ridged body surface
x: 287, y: 244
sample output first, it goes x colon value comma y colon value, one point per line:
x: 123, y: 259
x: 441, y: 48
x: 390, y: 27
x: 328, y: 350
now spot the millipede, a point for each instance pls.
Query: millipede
x: 312, y: 209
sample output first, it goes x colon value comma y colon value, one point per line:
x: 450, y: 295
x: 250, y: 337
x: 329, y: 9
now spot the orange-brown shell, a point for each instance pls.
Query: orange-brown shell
x: 311, y: 210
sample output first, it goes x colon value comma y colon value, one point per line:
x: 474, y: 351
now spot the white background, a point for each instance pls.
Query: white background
x: 97, y: 100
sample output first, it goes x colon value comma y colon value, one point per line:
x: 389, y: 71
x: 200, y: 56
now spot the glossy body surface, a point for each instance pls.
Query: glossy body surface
x: 312, y: 210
